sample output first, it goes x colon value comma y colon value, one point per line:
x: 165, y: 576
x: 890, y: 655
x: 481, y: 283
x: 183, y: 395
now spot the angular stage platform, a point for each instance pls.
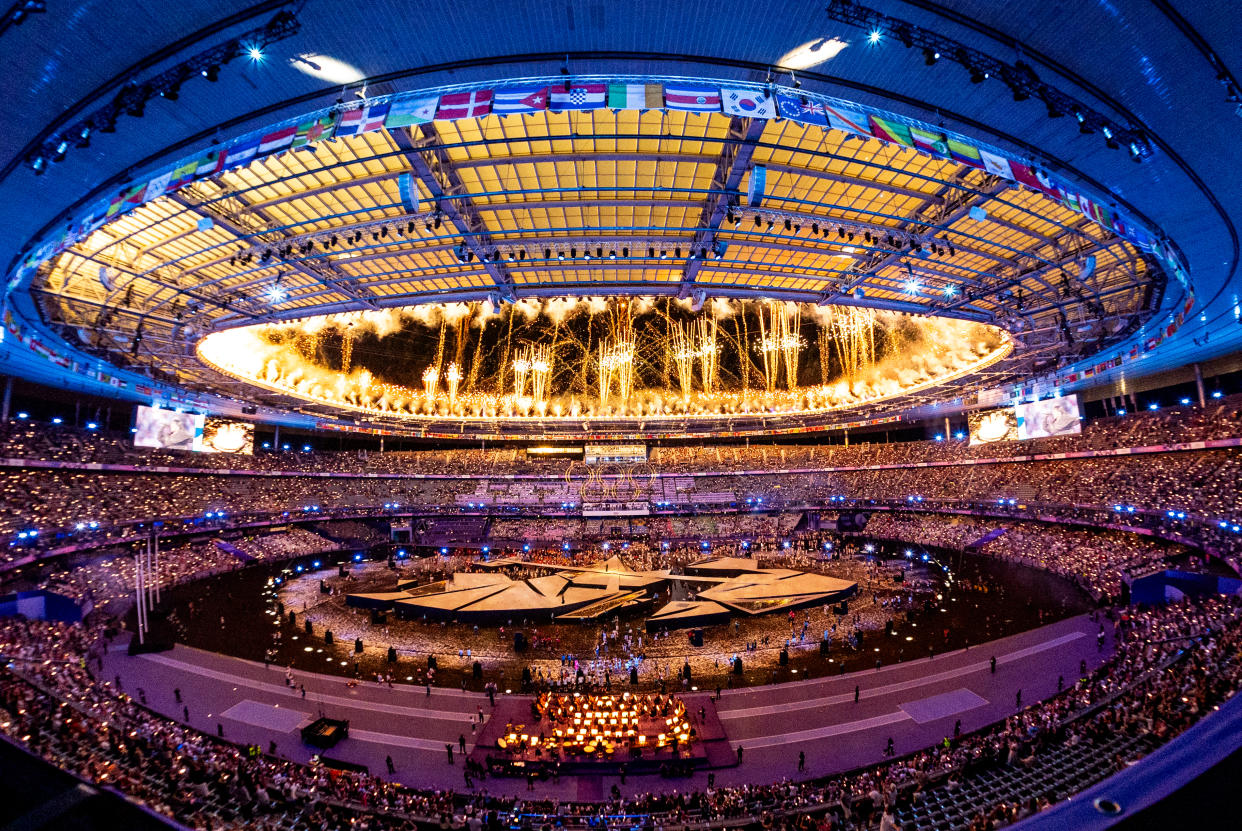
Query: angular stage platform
x: 727, y: 586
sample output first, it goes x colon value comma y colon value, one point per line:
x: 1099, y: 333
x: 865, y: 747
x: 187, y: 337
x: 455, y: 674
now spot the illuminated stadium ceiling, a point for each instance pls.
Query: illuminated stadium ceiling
x: 1011, y: 78
x: 637, y: 202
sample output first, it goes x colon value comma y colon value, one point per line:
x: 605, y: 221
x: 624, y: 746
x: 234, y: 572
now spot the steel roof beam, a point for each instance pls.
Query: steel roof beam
x: 216, y: 214
x: 733, y: 163
x: 440, y: 179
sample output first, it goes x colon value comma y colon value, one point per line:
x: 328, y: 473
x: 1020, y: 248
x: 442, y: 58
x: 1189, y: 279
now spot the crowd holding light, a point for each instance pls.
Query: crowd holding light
x: 601, y: 725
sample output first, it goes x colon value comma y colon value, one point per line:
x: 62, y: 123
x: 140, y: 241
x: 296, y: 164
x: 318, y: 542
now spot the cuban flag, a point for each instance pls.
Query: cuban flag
x: 801, y: 109
x: 578, y: 97
x: 519, y: 100
x: 465, y: 105
x: 748, y: 103
x: 693, y: 99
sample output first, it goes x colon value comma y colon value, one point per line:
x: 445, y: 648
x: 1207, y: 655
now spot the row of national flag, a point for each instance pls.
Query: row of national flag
x: 582, y: 96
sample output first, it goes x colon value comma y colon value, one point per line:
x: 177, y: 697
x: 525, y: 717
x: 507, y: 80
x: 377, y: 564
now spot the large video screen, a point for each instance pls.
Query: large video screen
x: 993, y: 425
x: 222, y: 435
x: 1050, y: 417
x: 168, y: 429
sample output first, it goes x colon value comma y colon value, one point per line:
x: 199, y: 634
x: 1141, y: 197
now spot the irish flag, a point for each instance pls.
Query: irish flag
x: 635, y: 97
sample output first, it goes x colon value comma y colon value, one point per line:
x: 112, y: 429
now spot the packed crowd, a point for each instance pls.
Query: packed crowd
x: 295, y: 542
x: 1173, y: 664
x: 1200, y: 482
x: 1221, y: 418
x: 108, y: 578
x: 1096, y: 560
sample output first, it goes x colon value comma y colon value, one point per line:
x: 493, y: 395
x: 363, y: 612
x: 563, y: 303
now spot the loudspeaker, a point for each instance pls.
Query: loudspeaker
x: 784, y: 659
x: 633, y: 675
x: 378, y: 617
x: 696, y: 637
x: 392, y: 655
x: 737, y: 666
x: 152, y: 645
x: 519, y: 641
x: 327, y: 637
x: 476, y: 670
x: 852, y: 521
x: 358, y: 645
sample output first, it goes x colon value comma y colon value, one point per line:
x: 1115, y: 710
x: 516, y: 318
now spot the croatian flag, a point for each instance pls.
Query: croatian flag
x: 519, y: 100
x: 578, y: 97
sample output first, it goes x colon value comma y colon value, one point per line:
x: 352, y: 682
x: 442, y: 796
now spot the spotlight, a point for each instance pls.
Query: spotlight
x: 1083, y: 127
x: 1020, y: 94
x: 874, y: 37
x: 172, y: 93
x: 930, y: 56
x: 84, y: 138
x: 256, y: 54
x: 212, y: 73
x: 977, y: 76
x: 1054, y: 111
x: 61, y: 149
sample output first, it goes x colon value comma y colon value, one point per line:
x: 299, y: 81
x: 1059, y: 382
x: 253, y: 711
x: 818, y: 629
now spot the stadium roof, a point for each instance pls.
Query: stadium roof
x: 518, y: 186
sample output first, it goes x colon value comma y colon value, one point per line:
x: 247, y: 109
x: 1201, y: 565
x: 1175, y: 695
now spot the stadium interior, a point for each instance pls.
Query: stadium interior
x: 796, y: 416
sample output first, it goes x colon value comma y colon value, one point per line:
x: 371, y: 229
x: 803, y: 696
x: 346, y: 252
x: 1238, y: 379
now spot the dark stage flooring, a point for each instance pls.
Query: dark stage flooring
x: 915, y: 703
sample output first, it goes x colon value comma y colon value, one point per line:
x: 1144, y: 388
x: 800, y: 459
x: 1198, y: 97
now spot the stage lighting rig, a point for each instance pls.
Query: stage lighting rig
x: 132, y: 98
x: 1019, y: 76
